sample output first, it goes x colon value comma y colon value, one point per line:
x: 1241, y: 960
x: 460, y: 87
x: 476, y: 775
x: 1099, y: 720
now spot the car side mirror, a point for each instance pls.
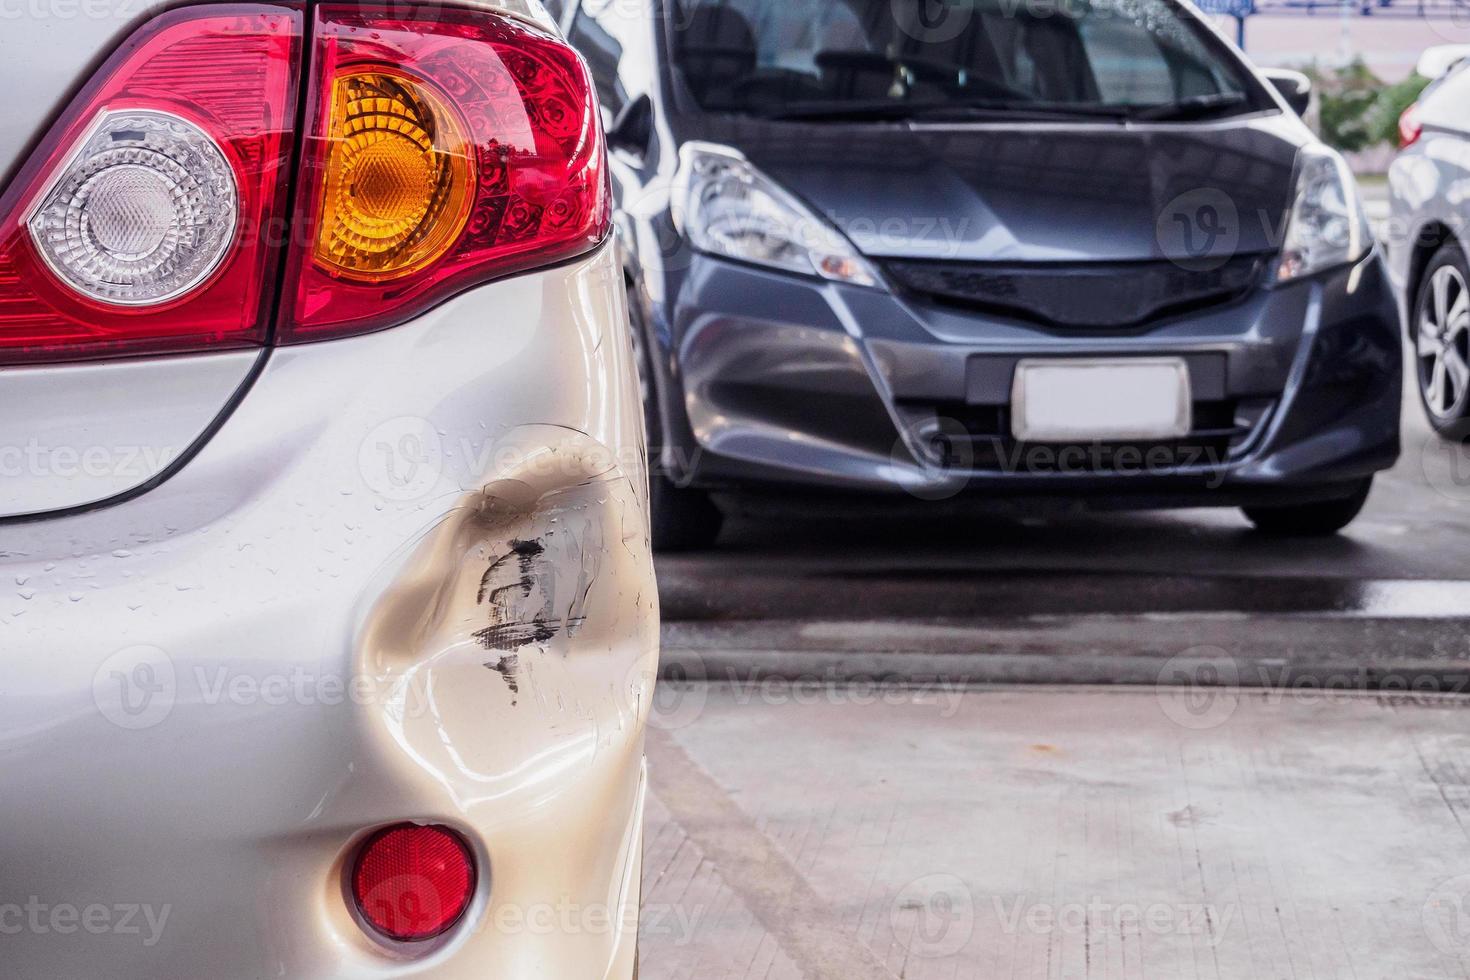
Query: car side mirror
x: 632, y: 130
x: 1294, y: 87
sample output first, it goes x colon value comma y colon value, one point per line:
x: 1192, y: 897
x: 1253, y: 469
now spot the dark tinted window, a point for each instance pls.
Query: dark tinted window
x: 761, y: 55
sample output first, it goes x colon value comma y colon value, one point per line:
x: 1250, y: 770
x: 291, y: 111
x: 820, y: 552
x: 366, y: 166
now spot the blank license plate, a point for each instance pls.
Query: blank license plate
x: 1101, y: 401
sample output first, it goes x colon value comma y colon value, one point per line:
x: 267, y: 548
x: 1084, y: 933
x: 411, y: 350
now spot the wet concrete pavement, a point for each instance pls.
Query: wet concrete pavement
x: 1107, y: 598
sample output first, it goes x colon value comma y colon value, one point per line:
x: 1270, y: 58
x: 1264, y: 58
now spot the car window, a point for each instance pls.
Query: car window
x: 1128, y: 64
x: 759, y: 55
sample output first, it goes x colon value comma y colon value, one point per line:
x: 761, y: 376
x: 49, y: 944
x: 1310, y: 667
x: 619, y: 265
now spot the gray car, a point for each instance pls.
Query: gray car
x: 1430, y: 190
x: 977, y: 253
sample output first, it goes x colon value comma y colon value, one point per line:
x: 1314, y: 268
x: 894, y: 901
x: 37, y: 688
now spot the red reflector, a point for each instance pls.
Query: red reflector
x: 519, y: 101
x: 227, y: 71
x: 413, y: 883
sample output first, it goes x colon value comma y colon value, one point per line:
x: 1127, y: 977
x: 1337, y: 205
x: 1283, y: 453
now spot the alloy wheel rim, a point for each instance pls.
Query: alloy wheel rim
x: 1443, y: 343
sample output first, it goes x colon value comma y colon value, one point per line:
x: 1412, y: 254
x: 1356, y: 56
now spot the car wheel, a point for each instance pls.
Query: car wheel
x: 1441, y: 333
x: 1318, y: 519
x: 683, y: 518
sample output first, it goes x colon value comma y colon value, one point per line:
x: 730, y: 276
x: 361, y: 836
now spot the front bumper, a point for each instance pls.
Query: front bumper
x: 214, y: 691
x: 791, y: 382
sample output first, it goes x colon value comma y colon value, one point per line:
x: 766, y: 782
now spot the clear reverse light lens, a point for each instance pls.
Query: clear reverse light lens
x: 1328, y: 226
x: 728, y: 207
x: 143, y: 213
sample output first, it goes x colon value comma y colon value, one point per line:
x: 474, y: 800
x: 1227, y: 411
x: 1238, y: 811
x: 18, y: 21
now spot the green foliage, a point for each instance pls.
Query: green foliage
x: 1357, y: 110
x: 1383, y: 116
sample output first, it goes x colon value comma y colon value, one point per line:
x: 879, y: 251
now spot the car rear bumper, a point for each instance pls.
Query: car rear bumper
x: 215, y: 690
x: 795, y: 383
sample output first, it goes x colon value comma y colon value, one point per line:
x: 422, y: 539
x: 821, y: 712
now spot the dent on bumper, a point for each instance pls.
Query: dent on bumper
x: 795, y: 382
x: 409, y: 580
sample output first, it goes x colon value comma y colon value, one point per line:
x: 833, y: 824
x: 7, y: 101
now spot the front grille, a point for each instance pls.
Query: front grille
x: 1081, y: 296
x: 971, y: 438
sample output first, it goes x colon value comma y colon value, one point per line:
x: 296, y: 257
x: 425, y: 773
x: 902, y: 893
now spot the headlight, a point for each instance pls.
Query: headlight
x: 1327, y: 226
x: 727, y: 207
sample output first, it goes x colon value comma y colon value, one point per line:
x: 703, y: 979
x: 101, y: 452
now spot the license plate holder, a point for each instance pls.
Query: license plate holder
x: 1063, y: 400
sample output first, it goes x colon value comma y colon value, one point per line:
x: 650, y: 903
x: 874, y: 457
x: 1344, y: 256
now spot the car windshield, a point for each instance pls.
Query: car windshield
x: 834, y: 59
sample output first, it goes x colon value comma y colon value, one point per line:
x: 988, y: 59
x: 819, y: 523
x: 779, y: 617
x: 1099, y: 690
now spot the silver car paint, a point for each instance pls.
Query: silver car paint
x: 1430, y: 182
x: 78, y: 434
x: 47, y: 51
x: 214, y: 691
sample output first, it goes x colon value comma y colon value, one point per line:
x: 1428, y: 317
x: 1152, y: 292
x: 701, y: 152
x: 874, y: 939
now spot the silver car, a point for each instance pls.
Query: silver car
x: 1429, y: 236
x: 328, y: 621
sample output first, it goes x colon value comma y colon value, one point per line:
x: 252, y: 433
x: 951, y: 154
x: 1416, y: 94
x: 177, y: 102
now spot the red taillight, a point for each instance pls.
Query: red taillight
x: 413, y: 883
x: 438, y: 152
x: 1410, y: 128
x: 515, y: 114
x: 227, y: 76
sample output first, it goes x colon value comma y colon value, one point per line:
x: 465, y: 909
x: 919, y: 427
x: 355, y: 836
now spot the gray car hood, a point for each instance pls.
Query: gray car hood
x: 1040, y: 193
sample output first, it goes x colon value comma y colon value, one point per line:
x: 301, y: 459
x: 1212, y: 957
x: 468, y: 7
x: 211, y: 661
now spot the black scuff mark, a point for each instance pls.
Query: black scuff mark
x: 509, y: 668
x: 513, y: 636
x: 522, y: 556
x: 519, y: 589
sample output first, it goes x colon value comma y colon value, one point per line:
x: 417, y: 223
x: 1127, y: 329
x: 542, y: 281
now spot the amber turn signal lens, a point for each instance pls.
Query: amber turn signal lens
x: 399, y: 178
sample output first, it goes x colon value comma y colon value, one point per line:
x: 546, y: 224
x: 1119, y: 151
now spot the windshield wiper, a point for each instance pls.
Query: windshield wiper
x: 1195, y: 107
x: 1013, y: 108
x: 816, y: 111
x: 1007, y: 109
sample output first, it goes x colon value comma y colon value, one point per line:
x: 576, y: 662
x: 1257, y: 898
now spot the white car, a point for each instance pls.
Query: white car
x: 329, y: 626
x: 1429, y: 240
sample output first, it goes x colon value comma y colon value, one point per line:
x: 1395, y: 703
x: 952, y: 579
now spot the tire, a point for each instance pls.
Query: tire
x: 1319, y: 519
x: 1440, y: 336
x: 683, y: 518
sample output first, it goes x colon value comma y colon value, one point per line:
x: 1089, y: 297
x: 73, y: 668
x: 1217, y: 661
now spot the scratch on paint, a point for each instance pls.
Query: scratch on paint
x: 509, y: 668
x: 519, y: 588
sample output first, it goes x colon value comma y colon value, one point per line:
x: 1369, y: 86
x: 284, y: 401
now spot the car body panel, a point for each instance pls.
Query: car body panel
x: 214, y: 690
x: 46, y: 52
x: 1028, y: 192
x: 1429, y: 185
x: 73, y: 435
x: 839, y: 392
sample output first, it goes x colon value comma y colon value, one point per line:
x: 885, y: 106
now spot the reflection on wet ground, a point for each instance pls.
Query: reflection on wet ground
x: 1106, y: 598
